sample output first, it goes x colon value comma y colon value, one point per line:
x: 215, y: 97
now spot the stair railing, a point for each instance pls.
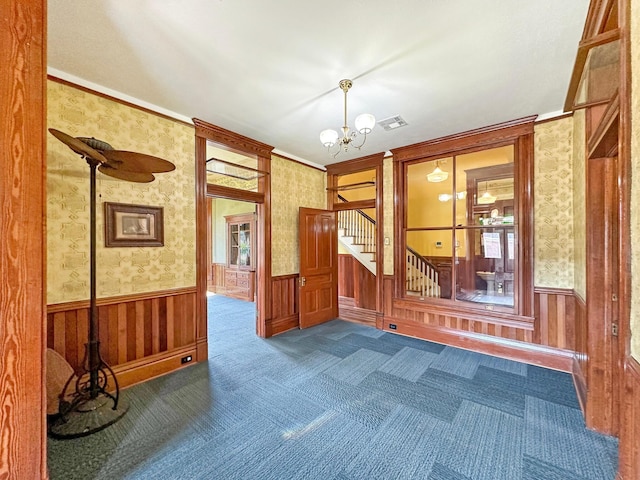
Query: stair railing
x: 358, y: 225
x: 422, y: 275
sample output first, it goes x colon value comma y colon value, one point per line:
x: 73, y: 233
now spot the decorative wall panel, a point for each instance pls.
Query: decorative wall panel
x: 133, y: 328
x: 553, y: 204
x: 121, y: 270
x: 284, y: 305
x: 293, y: 185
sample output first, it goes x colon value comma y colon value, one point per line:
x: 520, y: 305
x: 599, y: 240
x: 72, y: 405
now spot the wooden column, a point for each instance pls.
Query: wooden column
x: 22, y: 259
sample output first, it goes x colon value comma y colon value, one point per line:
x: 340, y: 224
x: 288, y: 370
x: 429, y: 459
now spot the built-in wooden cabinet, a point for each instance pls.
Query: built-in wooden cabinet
x: 239, y: 274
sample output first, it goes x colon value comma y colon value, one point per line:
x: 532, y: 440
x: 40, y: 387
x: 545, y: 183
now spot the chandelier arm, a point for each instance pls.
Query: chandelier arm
x: 364, y: 139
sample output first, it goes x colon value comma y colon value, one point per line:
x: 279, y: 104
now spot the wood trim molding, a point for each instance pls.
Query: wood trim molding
x: 134, y: 297
x: 23, y: 118
x: 227, y: 137
x: 236, y: 142
x: 554, y: 358
x: 498, y: 318
x: 485, y: 136
x: 360, y: 164
x: 554, y: 291
x: 138, y: 371
x: 355, y: 205
x: 234, y: 193
x: 349, y: 312
x: 580, y: 384
x: 201, y: 247
x: 553, y: 119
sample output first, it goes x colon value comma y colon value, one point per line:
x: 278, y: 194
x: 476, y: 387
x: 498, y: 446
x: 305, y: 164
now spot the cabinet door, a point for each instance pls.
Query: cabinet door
x: 244, y: 245
x: 234, y: 244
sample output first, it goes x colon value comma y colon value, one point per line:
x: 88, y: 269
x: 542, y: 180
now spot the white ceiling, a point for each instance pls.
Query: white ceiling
x: 270, y: 70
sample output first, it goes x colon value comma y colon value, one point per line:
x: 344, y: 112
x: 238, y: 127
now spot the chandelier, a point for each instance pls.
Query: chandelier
x: 364, y: 124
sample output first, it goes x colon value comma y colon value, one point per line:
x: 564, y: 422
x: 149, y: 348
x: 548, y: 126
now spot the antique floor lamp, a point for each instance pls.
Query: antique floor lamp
x: 94, y: 405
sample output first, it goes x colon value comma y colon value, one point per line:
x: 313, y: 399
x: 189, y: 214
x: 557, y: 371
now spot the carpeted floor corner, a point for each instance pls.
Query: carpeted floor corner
x: 341, y: 401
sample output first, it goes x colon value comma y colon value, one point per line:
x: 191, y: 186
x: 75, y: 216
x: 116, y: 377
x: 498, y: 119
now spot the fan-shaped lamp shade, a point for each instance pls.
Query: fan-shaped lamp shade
x: 365, y: 123
x: 328, y: 137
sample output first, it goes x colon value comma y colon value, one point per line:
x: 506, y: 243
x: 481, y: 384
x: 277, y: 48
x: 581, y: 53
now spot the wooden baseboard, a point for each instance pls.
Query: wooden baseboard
x: 580, y: 383
x: 138, y: 371
x: 282, y: 324
x: 202, y: 349
x: 553, y: 358
x: 349, y: 312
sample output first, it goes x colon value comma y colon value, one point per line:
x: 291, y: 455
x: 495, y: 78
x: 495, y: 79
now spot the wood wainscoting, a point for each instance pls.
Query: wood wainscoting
x: 546, y: 340
x: 629, y: 464
x: 356, y: 291
x: 216, y: 284
x: 580, y: 357
x: 141, y: 335
x: 284, y: 305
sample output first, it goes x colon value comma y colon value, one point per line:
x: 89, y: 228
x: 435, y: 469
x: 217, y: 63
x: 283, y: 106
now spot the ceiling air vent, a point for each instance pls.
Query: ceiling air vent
x: 392, y: 123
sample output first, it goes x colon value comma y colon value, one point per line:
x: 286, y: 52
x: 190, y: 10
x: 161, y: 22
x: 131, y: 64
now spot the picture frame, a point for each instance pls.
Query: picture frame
x: 127, y: 225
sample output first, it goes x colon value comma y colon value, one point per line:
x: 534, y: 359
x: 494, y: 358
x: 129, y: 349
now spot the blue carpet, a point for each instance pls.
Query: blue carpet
x: 341, y: 401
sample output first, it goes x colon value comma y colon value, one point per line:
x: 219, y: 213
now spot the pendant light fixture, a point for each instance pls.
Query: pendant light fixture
x: 364, y: 125
x: 486, y: 198
x: 438, y: 175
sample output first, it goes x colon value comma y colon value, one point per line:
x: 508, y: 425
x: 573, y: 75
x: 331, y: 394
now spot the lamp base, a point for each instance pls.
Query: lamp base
x: 88, y: 417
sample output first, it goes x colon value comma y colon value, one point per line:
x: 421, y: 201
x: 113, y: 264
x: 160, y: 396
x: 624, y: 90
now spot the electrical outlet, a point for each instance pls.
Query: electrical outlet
x: 393, y: 326
x: 186, y: 359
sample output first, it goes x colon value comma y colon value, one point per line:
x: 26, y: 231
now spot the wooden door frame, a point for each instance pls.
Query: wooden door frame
x: 370, y: 162
x: 23, y: 122
x: 603, y: 295
x: 205, y: 131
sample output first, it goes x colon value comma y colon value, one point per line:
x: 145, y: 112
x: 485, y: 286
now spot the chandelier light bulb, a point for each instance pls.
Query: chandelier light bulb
x: 364, y: 124
x: 329, y: 137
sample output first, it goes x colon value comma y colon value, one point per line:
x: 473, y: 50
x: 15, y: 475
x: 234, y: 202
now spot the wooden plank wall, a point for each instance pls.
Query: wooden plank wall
x: 134, y: 330
x: 356, y: 281
x: 546, y: 341
x: 356, y: 291
x: 630, y: 422
x: 217, y: 278
x: 580, y: 362
x: 284, y: 305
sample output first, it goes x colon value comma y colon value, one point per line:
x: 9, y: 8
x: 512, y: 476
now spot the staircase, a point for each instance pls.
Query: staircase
x: 422, y: 275
x: 357, y: 233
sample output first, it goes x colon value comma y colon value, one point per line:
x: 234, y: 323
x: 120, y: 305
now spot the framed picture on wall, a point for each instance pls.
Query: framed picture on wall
x: 128, y: 225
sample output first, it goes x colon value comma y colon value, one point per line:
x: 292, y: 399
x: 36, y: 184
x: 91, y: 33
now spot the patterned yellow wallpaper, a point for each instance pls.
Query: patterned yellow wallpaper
x: 387, y: 201
x: 120, y: 271
x: 293, y: 185
x: 579, y: 206
x: 635, y: 178
x: 553, y: 204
